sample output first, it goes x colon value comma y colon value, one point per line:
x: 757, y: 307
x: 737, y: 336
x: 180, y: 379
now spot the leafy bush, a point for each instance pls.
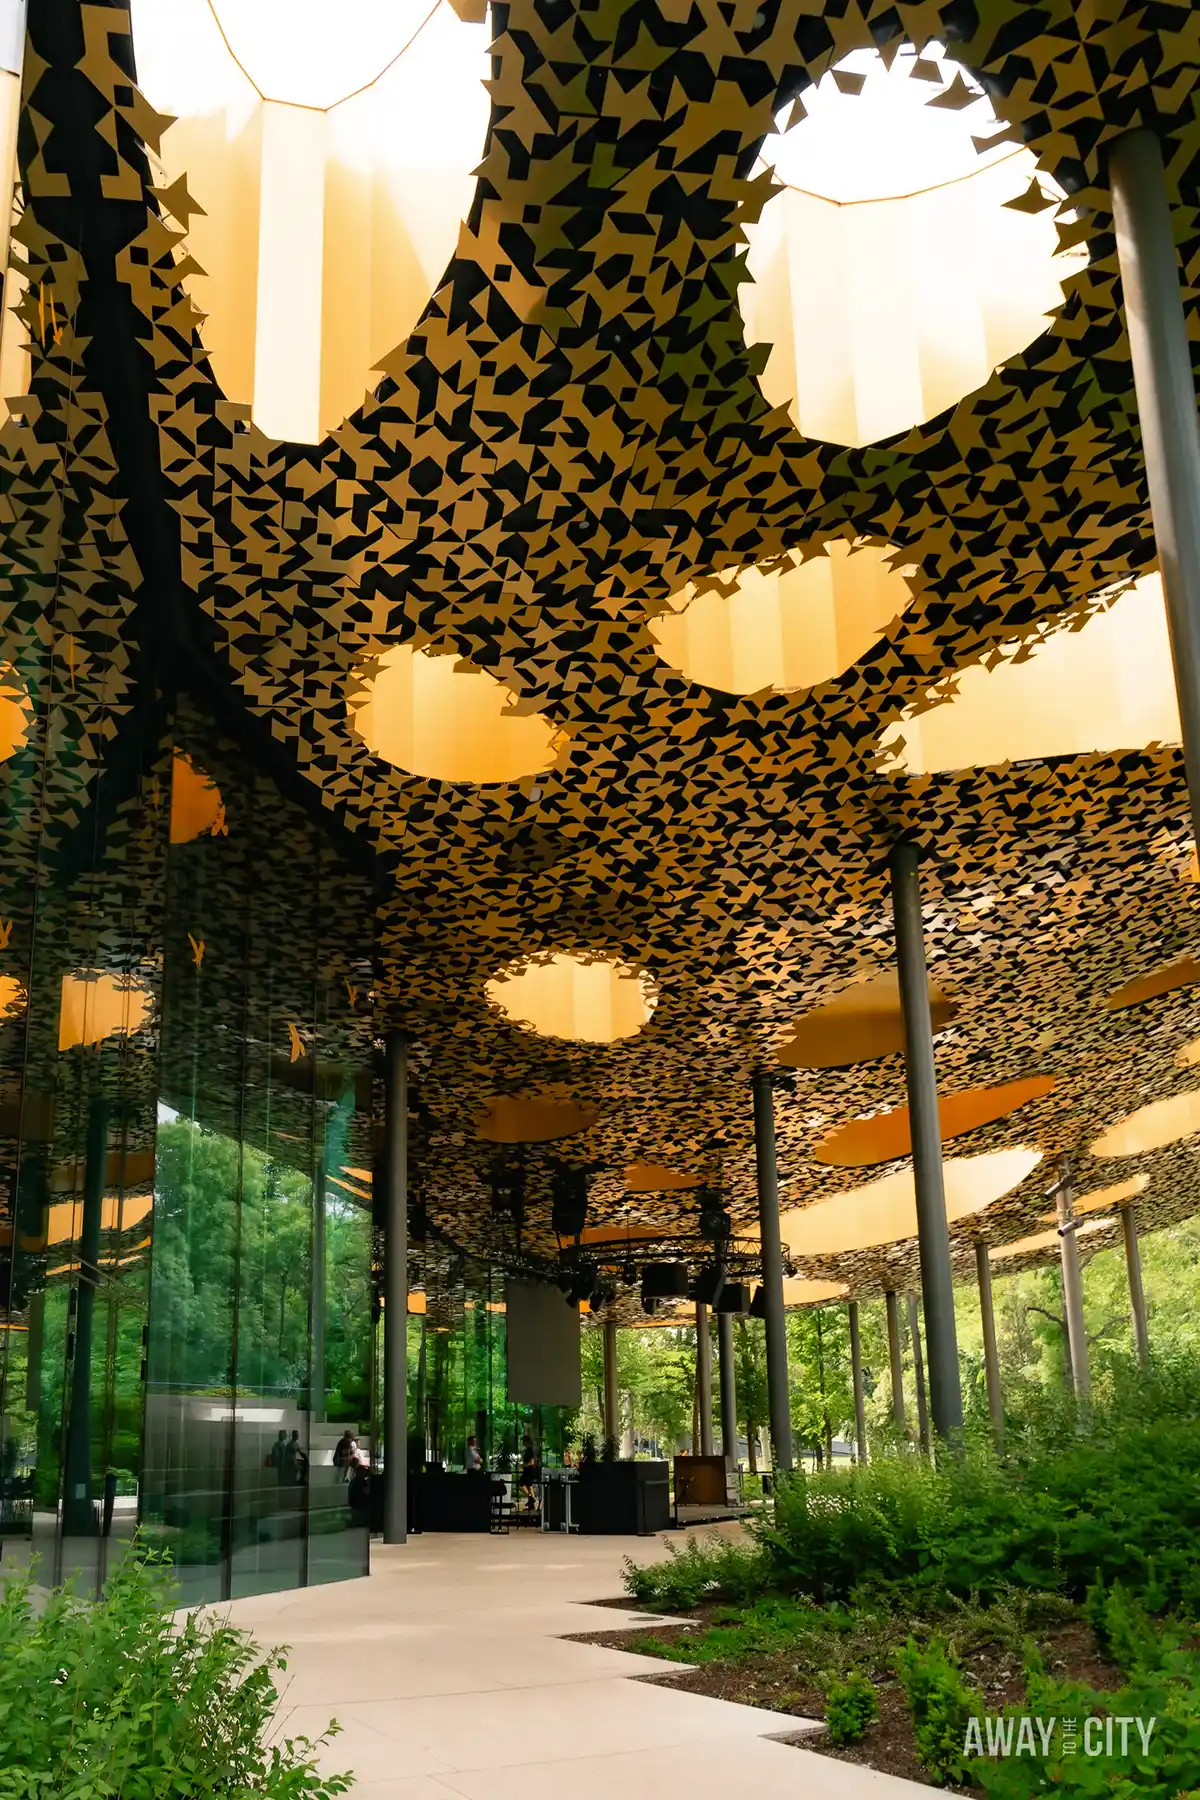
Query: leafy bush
x: 715, y: 1569
x: 1165, y: 1768
x: 940, y: 1703
x: 849, y: 1708
x: 114, y: 1700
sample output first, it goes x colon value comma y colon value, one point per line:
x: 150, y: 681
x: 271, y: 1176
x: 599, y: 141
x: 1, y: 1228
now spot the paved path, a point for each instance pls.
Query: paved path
x: 447, y: 1671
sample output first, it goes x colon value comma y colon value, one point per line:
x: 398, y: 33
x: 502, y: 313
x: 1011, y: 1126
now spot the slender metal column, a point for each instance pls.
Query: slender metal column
x: 920, y: 1073
x: 914, y: 1332
x: 704, y: 1378
x: 395, y: 1305
x: 774, y: 1320
x: 856, y: 1375
x: 991, y: 1356
x: 1137, y: 1297
x: 612, y: 1402
x: 1072, y: 1281
x: 78, y: 1486
x: 1166, y: 398
x: 727, y: 1376
x: 316, y: 1384
x: 895, y: 1356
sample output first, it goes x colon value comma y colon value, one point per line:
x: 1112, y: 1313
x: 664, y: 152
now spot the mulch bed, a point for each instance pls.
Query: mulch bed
x: 770, y: 1680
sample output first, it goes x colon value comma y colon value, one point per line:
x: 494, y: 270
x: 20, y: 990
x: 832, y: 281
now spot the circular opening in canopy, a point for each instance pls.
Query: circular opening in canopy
x: 509, y: 1119
x: 782, y: 627
x: 860, y: 1024
x: 862, y: 1142
x: 1151, y: 1127
x: 588, y: 1002
x: 197, y: 809
x: 938, y: 261
x: 321, y: 161
x: 885, y: 1211
x: 438, y: 717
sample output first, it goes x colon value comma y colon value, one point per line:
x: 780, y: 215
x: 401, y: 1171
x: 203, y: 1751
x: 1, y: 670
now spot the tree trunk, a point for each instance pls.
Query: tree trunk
x: 751, y: 1446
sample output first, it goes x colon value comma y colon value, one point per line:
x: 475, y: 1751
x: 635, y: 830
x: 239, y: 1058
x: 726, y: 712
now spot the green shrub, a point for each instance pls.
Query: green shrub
x: 940, y: 1703
x: 113, y: 1701
x: 1166, y: 1768
x: 715, y: 1569
x: 849, y: 1708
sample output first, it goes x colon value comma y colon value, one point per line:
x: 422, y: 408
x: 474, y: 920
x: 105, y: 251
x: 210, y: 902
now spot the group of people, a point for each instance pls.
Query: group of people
x: 530, y: 1473
x: 289, y: 1459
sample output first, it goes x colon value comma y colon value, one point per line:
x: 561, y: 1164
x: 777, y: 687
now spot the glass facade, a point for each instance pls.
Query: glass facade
x: 186, y: 1233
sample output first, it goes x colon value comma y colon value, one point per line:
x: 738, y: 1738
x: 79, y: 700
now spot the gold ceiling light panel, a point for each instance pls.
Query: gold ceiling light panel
x: 1107, y: 686
x: 197, y: 809
x: 513, y: 1119
x: 861, y: 1024
x: 588, y: 1000
x: 784, y: 625
x: 16, y: 708
x: 655, y: 1178
x: 436, y: 716
x: 1151, y: 1127
x: 861, y: 1142
x: 938, y: 262
x: 1106, y: 1198
x: 328, y: 155
x: 1167, y: 980
x: 12, y: 997
x: 96, y: 1006
x: 885, y: 1211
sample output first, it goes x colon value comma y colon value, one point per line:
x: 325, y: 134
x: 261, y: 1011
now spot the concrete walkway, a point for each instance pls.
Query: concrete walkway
x: 446, y: 1670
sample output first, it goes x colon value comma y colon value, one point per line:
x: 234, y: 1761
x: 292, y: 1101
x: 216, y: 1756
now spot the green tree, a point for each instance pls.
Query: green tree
x: 750, y: 1367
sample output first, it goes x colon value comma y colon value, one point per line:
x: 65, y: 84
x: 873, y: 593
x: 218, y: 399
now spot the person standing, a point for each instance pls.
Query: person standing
x: 473, y: 1461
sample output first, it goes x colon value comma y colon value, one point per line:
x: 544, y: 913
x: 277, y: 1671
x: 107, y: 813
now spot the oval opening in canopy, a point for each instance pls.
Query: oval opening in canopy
x: 1105, y: 1198
x: 861, y: 1142
x: 437, y: 717
x: 321, y: 160
x: 860, y: 1024
x: 784, y: 626
x: 1151, y: 1127
x: 885, y: 1211
x: 588, y: 1001
x: 1044, y: 1240
x: 1106, y: 687
x: 937, y: 262
x: 653, y: 1178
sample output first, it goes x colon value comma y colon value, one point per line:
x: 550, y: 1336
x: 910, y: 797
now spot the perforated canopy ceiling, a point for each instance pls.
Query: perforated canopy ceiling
x: 570, y: 431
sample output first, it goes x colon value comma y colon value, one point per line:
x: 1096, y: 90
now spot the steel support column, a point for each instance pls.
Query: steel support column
x: 895, y: 1356
x: 856, y: 1375
x: 774, y: 1322
x: 612, y: 1398
x: 933, y: 1236
x: 1137, y: 1297
x: 395, y: 1292
x: 704, y: 1378
x: 914, y: 1332
x: 727, y: 1376
x: 1166, y: 400
x: 1072, y: 1282
x: 991, y: 1356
